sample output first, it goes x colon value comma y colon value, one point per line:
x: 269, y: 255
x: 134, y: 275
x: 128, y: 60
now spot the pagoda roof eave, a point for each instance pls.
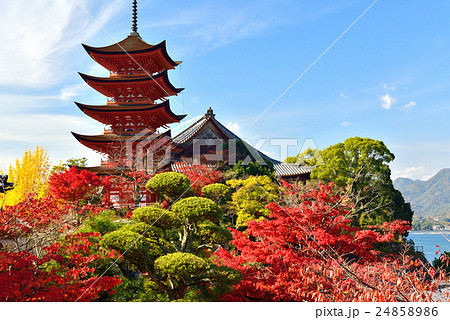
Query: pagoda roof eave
x: 130, y: 46
x: 144, y: 107
x: 105, y: 170
x: 129, y: 80
x: 114, y: 138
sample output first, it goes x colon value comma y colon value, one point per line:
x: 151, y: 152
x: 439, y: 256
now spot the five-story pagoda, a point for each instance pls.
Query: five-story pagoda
x: 137, y: 91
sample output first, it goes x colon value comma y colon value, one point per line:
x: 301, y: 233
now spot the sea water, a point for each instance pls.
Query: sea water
x: 429, y: 240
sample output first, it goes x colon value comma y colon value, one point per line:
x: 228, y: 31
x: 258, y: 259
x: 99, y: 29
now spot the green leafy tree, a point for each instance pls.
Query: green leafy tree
x: 173, y: 247
x: 309, y: 157
x: 101, y: 223
x: 360, y: 166
x: 251, y: 197
x: 422, y: 224
x: 78, y: 162
x: 242, y: 170
x: 72, y: 162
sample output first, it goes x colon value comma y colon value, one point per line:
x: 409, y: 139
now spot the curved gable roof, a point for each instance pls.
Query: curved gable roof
x: 282, y: 169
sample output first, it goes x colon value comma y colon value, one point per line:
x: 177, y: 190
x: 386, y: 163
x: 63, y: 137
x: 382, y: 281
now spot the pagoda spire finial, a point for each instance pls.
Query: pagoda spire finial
x: 134, y: 26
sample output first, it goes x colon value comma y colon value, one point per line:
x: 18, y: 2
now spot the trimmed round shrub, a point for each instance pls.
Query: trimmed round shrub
x: 144, y: 229
x: 217, y: 192
x: 139, y: 249
x: 180, y: 265
x: 156, y: 216
x: 170, y: 185
x: 196, y: 209
x: 214, y: 233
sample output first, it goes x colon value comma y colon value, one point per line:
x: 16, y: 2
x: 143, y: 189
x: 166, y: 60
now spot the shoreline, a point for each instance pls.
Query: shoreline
x: 429, y: 231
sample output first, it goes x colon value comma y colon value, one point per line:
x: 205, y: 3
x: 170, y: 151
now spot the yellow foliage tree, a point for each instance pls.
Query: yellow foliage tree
x: 29, y: 176
x: 251, y: 197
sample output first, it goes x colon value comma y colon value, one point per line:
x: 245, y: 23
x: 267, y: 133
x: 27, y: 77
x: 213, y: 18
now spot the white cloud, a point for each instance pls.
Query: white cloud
x: 342, y: 95
x: 408, y: 107
x: 51, y: 131
x: 235, y: 27
x: 15, y: 103
x: 97, y: 70
x: 40, y: 128
x: 19, y: 103
x: 388, y: 88
x: 37, y: 37
x: 234, y: 127
x: 414, y: 173
x: 346, y: 123
x: 387, y: 101
x: 209, y: 27
x: 68, y: 93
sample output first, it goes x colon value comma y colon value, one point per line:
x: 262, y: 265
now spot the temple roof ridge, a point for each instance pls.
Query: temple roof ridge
x: 190, y: 131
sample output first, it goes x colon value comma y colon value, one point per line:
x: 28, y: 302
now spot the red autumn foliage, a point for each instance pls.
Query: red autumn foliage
x: 90, y: 210
x: 74, y: 185
x: 311, y: 252
x: 199, y: 175
x: 289, y: 188
x: 36, y: 265
x: 64, y: 273
x: 29, y: 215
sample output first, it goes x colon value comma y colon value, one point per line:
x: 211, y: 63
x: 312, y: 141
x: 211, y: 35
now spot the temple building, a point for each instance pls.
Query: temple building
x: 137, y: 114
x: 229, y: 150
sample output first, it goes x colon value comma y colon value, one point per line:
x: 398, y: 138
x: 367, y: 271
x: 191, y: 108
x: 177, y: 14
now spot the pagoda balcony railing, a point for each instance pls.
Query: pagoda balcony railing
x: 129, y: 100
x: 138, y: 73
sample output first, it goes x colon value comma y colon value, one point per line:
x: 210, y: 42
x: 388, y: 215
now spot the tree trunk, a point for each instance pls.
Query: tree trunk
x: 177, y: 293
x: 137, y: 196
x: 185, y: 243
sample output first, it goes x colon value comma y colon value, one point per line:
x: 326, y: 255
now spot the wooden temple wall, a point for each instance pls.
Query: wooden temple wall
x: 123, y: 199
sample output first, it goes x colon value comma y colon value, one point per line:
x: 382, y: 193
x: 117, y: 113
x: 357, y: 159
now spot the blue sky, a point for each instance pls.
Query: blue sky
x: 387, y: 78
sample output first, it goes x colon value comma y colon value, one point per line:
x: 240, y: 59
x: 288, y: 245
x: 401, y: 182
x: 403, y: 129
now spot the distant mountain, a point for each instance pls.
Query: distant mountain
x: 431, y: 197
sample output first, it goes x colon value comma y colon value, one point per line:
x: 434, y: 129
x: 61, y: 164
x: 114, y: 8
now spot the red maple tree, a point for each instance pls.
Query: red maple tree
x: 41, y: 261
x: 74, y: 185
x: 200, y: 175
x: 311, y: 252
x: 28, y: 216
x: 64, y: 273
